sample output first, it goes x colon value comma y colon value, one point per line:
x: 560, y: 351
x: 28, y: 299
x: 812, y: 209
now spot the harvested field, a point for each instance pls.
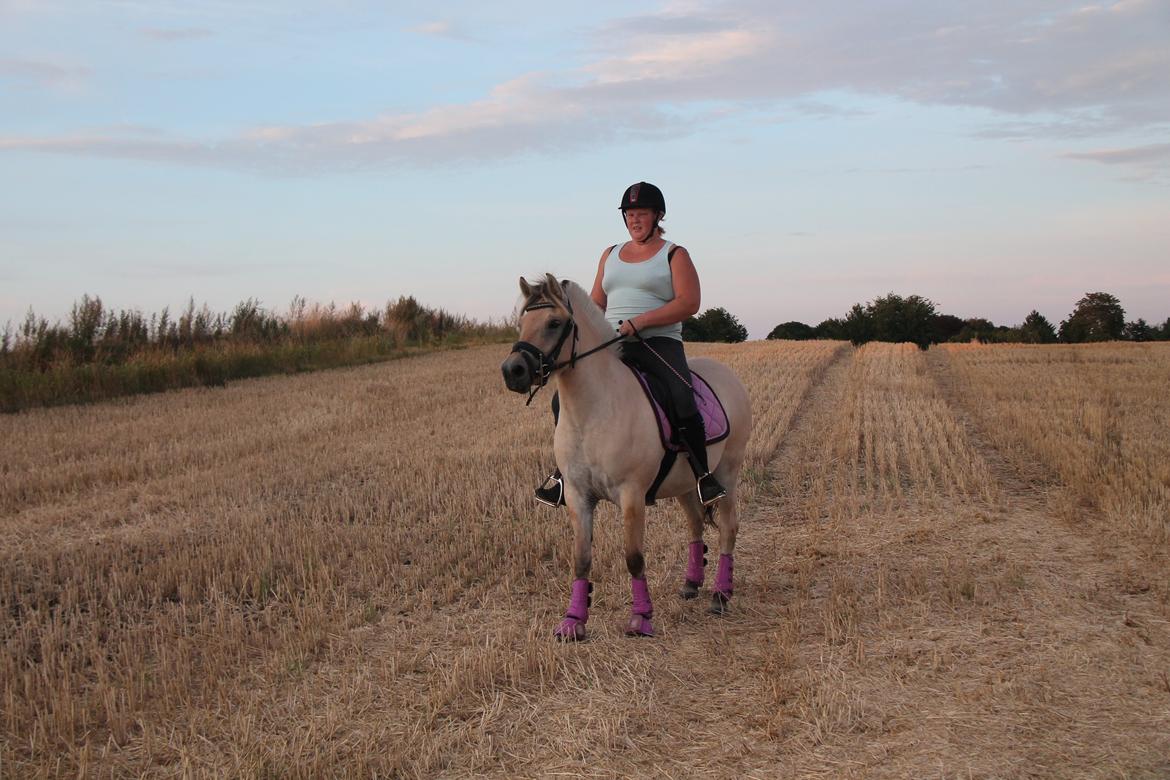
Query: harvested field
x: 950, y: 564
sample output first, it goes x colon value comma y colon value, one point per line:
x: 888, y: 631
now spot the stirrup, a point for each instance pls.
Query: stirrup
x: 709, y: 489
x: 553, y: 494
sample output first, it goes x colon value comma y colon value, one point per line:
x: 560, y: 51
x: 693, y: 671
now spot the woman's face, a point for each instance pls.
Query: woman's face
x: 639, y: 222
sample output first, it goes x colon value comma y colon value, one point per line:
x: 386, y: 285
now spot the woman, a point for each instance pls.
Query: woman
x: 647, y: 287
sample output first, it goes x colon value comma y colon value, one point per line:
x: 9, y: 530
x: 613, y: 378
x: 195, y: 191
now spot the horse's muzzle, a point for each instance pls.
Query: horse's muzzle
x: 518, y: 374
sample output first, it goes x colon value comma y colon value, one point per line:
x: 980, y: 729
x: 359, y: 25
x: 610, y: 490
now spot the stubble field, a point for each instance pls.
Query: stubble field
x: 950, y: 564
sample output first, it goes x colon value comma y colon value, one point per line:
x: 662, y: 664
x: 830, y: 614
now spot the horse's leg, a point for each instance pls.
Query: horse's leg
x: 634, y: 522
x: 728, y: 520
x: 696, y: 552
x: 572, y: 627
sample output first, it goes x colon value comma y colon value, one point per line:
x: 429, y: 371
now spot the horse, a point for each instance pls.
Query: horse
x: 608, y: 447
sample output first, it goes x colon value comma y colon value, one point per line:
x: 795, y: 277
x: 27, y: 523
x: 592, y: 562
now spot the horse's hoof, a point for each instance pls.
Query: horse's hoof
x: 639, y: 625
x: 570, y: 630
x: 720, y: 603
x: 690, y: 590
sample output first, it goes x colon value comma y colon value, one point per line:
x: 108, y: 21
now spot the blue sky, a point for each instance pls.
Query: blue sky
x: 994, y: 157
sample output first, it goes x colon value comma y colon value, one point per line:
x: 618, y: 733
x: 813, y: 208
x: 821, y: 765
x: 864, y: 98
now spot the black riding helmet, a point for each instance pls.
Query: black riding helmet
x: 643, y: 195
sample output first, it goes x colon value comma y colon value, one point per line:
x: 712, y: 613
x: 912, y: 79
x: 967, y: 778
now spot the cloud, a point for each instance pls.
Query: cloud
x: 443, y: 28
x: 41, y: 74
x: 521, y: 116
x: 1150, y: 163
x: 1152, y: 153
x: 176, y: 33
x: 822, y: 110
x: 1049, y: 69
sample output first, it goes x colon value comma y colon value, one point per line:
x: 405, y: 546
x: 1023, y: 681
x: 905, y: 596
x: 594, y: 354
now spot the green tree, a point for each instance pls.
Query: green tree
x: 1097, y: 317
x: 692, y: 330
x: 899, y: 319
x: 794, y: 331
x: 944, y: 327
x: 86, y: 319
x: 1037, y: 329
x: 832, y: 328
x: 858, y: 325
x: 716, y: 324
x: 1140, y: 331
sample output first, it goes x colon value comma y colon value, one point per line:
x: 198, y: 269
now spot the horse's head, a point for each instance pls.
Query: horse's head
x: 546, y: 322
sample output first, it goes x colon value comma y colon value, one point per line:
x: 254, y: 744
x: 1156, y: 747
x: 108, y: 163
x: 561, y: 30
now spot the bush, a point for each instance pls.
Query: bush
x: 714, y: 325
x: 1037, y: 329
x: 793, y: 331
x: 832, y: 328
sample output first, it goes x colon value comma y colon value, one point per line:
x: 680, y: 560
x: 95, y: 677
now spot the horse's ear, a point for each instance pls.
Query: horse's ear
x: 553, y: 287
x: 525, y: 289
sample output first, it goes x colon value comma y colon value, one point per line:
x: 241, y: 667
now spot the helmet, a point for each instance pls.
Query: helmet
x: 643, y: 196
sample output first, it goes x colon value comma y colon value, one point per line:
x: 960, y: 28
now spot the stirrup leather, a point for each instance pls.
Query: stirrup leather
x: 553, y: 494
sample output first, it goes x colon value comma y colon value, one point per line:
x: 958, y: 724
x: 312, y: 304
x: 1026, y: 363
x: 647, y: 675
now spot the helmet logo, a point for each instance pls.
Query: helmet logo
x: 634, y: 192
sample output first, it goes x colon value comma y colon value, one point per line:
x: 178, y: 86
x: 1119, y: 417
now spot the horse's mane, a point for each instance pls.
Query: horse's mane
x: 587, y: 314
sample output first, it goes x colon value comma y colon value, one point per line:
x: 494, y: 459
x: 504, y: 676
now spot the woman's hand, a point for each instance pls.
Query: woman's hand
x: 627, y: 328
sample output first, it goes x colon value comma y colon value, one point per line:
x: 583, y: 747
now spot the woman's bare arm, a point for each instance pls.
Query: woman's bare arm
x: 598, y: 294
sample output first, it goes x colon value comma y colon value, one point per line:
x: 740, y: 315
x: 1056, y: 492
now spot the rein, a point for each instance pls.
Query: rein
x: 547, y: 363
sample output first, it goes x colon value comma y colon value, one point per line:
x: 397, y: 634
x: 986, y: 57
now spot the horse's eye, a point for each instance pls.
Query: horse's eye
x: 554, y: 324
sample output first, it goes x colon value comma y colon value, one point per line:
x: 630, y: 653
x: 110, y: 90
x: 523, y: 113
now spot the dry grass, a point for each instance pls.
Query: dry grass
x: 1096, y: 414
x: 893, y: 440
x: 343, y: 573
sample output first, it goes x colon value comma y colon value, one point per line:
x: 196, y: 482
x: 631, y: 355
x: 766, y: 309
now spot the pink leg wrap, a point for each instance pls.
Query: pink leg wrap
x: 696, y: 563
x: 573, y: 626
x: 641, y: 610
x: 723, y: 576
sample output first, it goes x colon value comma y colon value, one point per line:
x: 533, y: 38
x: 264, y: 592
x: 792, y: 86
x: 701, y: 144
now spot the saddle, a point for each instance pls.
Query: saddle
x: 715, y: 421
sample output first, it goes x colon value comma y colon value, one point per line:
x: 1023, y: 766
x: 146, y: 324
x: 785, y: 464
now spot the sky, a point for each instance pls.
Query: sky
x: 995, y: 157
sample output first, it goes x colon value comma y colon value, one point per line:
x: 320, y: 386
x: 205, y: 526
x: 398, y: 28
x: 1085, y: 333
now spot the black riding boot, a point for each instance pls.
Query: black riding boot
x: 694, y: 437
x: 552, y: 490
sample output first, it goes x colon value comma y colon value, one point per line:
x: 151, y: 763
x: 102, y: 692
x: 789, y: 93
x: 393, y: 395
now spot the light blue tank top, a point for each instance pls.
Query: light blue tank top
x: 636, y: 288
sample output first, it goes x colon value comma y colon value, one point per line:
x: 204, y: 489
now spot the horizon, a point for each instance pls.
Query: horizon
x: 311, y: 306
x: 994, y: 160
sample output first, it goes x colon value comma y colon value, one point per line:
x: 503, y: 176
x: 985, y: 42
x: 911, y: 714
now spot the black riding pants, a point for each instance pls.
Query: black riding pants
x: 682, y: 398
x: 671, y: 370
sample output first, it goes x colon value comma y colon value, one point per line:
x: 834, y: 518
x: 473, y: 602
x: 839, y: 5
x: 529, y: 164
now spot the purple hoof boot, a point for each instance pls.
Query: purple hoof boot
x: 570, y: 630
x: 639, y: 625
x: 723, y: 585
x: 641, y: 610
x: 696, y: 561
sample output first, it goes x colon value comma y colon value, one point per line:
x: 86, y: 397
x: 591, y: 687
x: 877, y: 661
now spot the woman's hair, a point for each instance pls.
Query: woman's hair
x: 661, y: 230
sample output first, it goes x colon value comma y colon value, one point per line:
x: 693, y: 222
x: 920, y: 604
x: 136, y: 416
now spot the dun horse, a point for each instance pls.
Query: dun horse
x: 608, y: 447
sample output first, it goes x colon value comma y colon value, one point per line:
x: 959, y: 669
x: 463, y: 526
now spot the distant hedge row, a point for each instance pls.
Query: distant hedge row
x: 101, y: 354
x: 1097, y: 316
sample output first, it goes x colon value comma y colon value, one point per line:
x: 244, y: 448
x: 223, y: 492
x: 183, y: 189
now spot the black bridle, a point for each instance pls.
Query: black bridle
x: 546, y: 363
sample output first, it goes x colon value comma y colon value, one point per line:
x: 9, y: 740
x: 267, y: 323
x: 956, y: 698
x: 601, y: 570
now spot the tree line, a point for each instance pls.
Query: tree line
x: 1098, y: 316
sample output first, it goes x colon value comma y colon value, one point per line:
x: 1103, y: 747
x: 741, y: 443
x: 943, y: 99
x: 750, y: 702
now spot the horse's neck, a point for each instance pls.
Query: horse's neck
x: 583, y: 388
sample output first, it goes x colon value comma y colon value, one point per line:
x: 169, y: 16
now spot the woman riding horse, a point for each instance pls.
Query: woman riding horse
x: 607, y: 438
x: 647, y: 287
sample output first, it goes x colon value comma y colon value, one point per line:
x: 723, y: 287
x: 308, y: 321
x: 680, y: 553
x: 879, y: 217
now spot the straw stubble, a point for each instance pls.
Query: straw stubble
x: 344, y: 573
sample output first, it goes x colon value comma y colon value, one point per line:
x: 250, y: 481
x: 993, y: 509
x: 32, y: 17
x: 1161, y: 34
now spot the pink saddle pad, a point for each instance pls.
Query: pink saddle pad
x: 710, y: 407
